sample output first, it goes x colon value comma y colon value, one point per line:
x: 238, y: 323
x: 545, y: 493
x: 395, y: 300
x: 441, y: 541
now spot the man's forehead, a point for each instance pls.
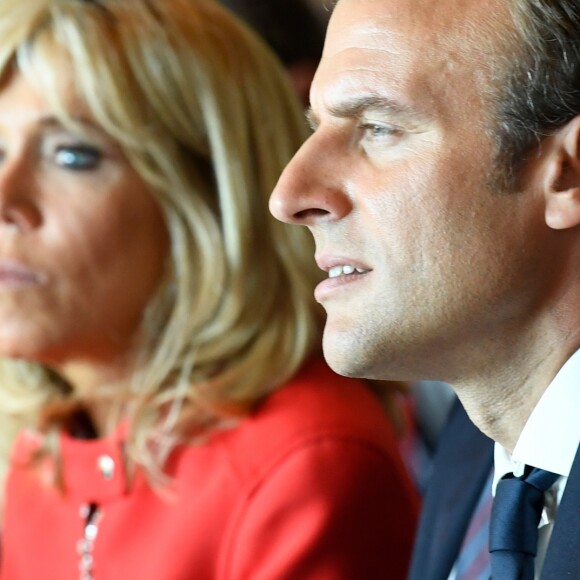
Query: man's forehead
x: 423, y: 34
x: 373, y: 19
x: 401, y: 51
x: 427, y: 5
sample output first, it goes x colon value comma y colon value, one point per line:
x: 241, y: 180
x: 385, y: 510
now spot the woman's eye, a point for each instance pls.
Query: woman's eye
x: 79, y: 157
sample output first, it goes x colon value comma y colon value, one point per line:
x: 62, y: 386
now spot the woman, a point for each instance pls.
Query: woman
x: 157, y: 328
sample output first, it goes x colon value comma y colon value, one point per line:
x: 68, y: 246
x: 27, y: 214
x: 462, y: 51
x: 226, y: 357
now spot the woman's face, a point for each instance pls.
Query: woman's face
x: 83, y: 243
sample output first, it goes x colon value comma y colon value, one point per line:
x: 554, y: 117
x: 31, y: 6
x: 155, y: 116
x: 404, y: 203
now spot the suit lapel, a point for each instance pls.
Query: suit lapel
x: 463, y: 461
x: 563, y: 556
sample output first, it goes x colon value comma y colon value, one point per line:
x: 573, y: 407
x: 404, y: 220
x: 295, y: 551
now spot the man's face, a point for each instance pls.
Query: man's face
x: 395, y: 186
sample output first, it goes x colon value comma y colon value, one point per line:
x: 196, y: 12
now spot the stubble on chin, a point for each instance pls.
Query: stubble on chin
x: 351, y: 352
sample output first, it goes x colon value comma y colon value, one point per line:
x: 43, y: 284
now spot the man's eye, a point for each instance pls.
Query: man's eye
x: 79, y: 157
x: 379, y: 131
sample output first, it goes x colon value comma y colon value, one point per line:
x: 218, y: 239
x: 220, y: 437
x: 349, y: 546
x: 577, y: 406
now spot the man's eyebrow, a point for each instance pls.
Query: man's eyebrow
x: 354, y: 107
x: 311, y: 118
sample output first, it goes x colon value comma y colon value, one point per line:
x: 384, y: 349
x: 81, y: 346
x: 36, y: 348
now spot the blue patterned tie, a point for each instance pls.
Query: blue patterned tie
x: 516, y: 513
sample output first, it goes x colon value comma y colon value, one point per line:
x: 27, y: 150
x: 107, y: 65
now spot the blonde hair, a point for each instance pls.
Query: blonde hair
x: 205, y: 114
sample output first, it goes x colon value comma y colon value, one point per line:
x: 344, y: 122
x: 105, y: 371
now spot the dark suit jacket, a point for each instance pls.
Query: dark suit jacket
x: 462, y: 464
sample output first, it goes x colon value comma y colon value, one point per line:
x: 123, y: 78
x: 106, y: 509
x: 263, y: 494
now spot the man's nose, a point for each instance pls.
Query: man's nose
x: 309, y: 190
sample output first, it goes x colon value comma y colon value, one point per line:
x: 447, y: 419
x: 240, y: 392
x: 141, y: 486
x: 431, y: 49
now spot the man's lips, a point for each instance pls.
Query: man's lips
x: 341, y: 265
x: 345, y: 270
x: 342, y: 272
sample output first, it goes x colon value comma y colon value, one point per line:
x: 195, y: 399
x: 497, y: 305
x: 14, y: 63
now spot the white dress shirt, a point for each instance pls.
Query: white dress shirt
x: 549, y: 440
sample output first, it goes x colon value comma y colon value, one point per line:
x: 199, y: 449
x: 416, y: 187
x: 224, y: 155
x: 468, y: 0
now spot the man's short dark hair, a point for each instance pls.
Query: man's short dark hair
x: 541, y: 91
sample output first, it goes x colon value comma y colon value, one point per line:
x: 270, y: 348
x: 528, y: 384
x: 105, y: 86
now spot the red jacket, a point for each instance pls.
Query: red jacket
x: 310, y: 487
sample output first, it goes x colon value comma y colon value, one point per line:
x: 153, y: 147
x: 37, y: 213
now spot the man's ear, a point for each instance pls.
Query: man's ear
x: 562, y: 178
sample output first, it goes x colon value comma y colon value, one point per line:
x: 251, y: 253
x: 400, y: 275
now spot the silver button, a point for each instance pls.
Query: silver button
x: 84, y: 511
x: 106, y: 466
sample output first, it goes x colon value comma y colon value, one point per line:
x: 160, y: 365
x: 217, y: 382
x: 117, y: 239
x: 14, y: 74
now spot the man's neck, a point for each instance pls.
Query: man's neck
x: 501, y: 402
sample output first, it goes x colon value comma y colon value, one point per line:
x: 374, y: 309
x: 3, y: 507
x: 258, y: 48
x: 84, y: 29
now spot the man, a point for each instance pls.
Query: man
x: 442, y: 187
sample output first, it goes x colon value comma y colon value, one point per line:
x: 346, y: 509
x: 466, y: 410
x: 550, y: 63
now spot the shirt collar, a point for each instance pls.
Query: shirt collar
x: 551, y: 435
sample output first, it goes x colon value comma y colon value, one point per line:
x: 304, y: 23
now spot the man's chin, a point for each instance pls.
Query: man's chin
x: 343, y: 356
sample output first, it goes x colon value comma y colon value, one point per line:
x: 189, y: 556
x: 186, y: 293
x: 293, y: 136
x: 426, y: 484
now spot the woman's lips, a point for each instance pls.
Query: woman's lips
x: 14, y: 274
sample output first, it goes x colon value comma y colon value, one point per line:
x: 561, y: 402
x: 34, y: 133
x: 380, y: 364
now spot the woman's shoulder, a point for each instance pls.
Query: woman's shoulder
x: 315, y: 407
x: 317, y: 397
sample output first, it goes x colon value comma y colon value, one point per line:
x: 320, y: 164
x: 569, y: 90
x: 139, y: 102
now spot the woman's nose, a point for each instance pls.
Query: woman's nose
x: 18, y: 205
